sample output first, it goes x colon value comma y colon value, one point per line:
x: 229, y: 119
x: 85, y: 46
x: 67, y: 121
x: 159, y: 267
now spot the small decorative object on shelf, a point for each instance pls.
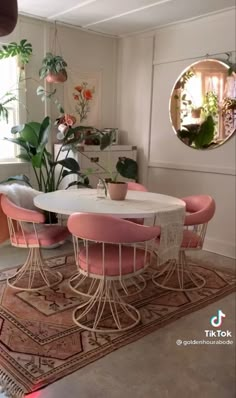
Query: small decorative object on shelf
x: 101, y: 189
x: 115, y: 134
x: 63, y: 124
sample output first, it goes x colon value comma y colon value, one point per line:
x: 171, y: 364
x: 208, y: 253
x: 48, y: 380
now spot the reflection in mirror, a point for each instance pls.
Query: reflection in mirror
x: 203, y: 104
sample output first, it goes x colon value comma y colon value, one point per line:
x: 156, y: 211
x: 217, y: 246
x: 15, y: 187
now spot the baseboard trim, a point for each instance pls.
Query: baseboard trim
x: 191, y: 167
x: 220, y: 247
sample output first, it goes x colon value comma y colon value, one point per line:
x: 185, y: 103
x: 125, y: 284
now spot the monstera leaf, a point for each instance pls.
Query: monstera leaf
x: 127, y: 168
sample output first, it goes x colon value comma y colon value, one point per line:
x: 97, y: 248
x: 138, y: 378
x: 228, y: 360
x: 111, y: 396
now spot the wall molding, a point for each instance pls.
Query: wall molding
x: 220, y: 247
x: 196, y: 168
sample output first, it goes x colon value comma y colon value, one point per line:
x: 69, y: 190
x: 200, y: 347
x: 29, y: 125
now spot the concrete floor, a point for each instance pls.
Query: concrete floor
x: 155, y: 366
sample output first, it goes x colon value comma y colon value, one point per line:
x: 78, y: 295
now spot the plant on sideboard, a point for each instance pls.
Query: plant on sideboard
x: 32, y: 138
x: 125, y: 167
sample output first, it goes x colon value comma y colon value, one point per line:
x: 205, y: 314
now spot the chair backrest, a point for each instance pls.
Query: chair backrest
x: 4, y: 231
x: 21, y: 222
x: 135, y: 186
x: 201, y: 209
x: 14, y: 212
x: 102, y: 228
x: 21, y: 195
x: 112, y: 246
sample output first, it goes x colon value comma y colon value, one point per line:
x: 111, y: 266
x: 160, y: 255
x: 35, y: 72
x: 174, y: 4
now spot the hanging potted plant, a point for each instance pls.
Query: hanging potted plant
x: 53, y: 69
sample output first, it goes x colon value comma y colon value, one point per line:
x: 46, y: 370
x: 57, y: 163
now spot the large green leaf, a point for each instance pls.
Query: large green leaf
x: 66, y: 173
x: 69, y: 163
x: 127, y: 168
x: 17, y: 129
x: 17, y: 178
x: 28, y: 134
x: 19, y: 142
x: 206, y: 133
x: 35, y: 126
x: 37, y: 160
x: 44, y: 132
x: 81, y: 182
x: 24, y: 156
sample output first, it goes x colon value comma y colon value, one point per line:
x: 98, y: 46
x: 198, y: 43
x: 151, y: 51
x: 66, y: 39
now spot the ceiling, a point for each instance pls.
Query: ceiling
x: 121, y: 17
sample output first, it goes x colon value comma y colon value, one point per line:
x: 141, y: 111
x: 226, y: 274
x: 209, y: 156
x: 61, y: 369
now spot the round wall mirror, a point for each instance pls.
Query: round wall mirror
x: 203, y: 104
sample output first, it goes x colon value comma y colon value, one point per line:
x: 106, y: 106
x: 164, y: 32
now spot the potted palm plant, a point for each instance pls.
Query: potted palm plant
x: 53, y: 69
x: 32, y: 138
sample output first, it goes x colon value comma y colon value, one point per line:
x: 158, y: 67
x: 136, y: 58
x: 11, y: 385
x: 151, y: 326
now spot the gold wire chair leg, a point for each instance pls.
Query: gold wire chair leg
x: 134, y: 285
x: 34, y: 274
x: 184, y: 273
x: 80, y: 284
x: 106, y: 293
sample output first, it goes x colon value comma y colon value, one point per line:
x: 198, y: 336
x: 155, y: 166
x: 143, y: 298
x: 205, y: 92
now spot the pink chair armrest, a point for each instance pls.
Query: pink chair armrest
x: 20, y: 214
x: 4, y: 232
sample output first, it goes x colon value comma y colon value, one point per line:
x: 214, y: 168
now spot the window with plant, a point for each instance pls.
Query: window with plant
x: 9, y: 106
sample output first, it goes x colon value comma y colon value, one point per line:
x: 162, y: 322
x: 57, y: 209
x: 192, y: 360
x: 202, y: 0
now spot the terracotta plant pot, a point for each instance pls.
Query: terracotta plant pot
x: 59, y: 77
x: 117, y: 190
x: 8, y: 16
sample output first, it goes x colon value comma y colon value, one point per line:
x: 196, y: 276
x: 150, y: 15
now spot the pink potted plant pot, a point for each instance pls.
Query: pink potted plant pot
x: 59, y: 77
x: 117, y: 190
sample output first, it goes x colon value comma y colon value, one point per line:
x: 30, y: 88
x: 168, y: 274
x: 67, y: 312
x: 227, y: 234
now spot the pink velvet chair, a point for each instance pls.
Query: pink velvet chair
x: 4, y: 232
x: 135, y: 186
x: 200, y: 209
x: 27, y: 230
x: 110, y: 254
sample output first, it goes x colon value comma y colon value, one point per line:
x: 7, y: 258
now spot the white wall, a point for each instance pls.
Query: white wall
x: 172, y: 167
x: 85, y: 52
x: 134, y: 91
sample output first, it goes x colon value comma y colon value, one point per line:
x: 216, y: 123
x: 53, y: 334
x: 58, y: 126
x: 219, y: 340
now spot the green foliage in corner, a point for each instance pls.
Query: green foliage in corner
x: 23, y: 50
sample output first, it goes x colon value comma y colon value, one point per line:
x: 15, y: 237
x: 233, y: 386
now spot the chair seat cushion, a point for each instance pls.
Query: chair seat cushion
x: 191, y: 240
x: 94, y: 265
x: 47, y: 235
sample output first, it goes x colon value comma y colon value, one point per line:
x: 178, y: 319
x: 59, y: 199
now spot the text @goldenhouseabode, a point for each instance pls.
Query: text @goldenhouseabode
x: 203, y: 342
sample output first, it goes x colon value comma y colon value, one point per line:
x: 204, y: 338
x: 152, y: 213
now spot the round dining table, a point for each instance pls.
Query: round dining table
x: 166, y: 211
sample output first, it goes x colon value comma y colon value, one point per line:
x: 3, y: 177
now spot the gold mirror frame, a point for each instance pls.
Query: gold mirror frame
x: 202, y: 105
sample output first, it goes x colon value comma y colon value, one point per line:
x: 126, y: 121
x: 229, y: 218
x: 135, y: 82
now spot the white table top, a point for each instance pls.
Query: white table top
x: 137, y: 204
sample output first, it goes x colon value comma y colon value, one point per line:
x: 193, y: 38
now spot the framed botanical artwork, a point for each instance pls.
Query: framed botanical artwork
x: 82, y: 97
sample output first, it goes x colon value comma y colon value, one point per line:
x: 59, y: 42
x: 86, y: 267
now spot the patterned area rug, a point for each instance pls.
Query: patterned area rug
x: 39, y: 343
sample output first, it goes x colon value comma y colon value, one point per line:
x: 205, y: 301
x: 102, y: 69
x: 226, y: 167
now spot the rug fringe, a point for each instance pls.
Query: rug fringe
x: 9, y: 386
